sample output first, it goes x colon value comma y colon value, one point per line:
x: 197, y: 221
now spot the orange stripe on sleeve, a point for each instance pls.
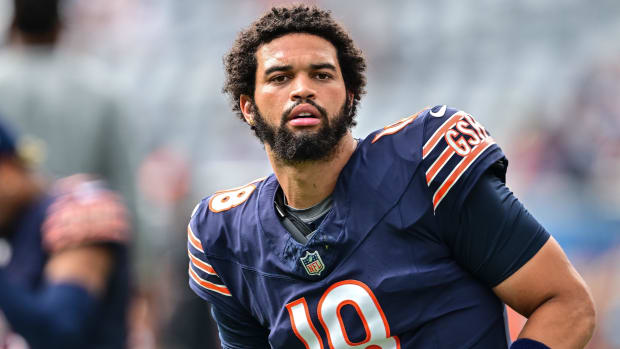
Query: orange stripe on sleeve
x: 191, y: 237
x: 208, y: 285
x: 207, y: 268
x: 459, y: 170
x: 432, y: 142
x: 439, y: 164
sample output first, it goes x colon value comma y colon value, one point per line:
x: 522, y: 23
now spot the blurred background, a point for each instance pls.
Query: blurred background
x: 141, y: 80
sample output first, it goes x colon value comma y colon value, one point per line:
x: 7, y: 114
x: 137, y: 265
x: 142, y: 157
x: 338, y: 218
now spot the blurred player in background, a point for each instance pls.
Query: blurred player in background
x: 406, y: 239
x: 76, y: 118
x: 64, y: 274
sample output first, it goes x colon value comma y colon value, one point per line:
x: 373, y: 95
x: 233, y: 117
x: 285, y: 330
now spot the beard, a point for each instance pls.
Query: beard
x: 294, y: 148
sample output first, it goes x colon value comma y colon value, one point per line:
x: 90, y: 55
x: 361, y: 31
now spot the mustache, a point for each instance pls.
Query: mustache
x: 287, y: 112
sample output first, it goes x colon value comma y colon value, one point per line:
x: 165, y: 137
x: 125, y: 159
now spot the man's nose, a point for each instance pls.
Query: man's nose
x: 302, y: 88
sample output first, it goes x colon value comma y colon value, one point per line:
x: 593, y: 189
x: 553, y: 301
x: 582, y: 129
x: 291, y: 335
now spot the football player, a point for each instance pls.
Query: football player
x: 63, y: 259
x: 407, y: 238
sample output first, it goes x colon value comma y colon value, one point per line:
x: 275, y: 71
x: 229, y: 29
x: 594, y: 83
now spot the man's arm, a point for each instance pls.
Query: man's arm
x: 58, y: 314
x: 555, y: 299
x: 237, y: 332
x: 504, y: 246
x: 87, y: 266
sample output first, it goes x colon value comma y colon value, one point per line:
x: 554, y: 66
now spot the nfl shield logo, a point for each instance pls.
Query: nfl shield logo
x: 313, y: 263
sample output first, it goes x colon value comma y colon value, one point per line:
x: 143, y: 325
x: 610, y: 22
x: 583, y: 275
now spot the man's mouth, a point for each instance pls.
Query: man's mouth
x: 304, y: 115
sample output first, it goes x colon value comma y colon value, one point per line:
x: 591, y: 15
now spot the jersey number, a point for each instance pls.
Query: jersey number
x: 225, y: 200
x: 348, y: 292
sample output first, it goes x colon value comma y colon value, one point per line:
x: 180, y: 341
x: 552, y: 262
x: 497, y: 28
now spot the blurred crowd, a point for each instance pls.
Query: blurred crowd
x: 129, y: 90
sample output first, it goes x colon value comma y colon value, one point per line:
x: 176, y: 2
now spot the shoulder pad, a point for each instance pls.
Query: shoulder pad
x: 215, y: 219
x: 224, y: 200
x: 456, y: 151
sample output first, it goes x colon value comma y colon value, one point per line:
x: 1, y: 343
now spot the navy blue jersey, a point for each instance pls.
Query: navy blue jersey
x: 28, y: 257
x: 383, y: 267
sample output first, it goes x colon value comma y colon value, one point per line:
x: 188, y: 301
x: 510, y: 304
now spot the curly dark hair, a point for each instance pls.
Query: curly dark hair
x: 240, y: 62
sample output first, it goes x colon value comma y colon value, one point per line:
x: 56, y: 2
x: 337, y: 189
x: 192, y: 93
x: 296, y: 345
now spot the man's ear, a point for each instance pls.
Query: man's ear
x: 351, y: 96
x: 245, y: 104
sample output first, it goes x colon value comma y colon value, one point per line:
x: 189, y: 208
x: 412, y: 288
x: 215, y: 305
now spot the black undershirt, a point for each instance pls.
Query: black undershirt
x: 301, y: 223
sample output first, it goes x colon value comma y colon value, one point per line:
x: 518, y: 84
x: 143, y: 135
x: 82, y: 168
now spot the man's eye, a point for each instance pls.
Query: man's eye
x: 323, y: 76
x: 279, y: 78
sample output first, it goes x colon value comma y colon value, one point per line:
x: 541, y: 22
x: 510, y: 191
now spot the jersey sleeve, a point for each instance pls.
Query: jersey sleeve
x: 494, y: 235
x: 456, y: 150
x: 205, y: 281
x: 84, y: 211
x: 202, y: 277
x: 237, y: 333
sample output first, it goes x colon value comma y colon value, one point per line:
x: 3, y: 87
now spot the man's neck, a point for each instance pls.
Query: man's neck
x: 308, y: 183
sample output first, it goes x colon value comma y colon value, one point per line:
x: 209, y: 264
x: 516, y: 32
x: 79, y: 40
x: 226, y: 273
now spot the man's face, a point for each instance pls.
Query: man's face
x: 300, y: 109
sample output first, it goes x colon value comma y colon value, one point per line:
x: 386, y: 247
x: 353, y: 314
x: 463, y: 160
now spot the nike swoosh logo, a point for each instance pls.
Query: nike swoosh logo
x: 440, y: 113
